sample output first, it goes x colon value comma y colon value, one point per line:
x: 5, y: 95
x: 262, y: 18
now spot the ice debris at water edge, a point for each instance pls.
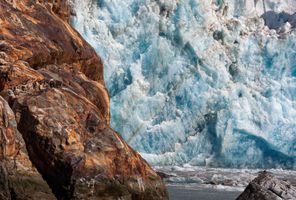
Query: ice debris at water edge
x: 199, y: 82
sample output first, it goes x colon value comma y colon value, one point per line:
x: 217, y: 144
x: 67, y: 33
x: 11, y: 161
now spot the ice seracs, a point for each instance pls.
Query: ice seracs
x: 198, y: 82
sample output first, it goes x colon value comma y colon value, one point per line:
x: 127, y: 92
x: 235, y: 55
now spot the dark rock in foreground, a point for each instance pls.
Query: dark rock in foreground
x: 267, y: 187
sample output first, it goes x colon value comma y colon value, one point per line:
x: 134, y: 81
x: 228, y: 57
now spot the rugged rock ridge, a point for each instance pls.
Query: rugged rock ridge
x: 267, y: 187
x: 55, y: 104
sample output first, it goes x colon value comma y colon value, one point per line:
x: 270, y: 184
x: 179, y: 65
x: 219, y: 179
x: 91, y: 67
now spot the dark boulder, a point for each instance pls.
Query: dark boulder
x: 267, y: 187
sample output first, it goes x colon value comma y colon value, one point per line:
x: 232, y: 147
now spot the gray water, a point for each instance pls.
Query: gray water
x: 185, y: 193
x: 203, y: 183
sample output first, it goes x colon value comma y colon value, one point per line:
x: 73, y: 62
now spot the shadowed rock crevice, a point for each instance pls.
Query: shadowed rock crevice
x: 18, y: 177
x: 58, y: 180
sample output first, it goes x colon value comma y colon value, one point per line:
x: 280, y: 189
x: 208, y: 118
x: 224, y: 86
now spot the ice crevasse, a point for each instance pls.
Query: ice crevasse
x: 207, y: 83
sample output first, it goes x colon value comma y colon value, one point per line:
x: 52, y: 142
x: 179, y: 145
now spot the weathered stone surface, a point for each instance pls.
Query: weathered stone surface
x: 31, y: 32
x: 55, y: 114
x: 267, y: 187
x: 18, y: 178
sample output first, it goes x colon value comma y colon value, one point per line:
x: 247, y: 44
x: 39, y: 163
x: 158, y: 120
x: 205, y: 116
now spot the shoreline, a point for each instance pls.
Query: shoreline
x: 202, y: 183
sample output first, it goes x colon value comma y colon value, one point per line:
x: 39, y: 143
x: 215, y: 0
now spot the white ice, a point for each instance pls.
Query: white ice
x: 199, y: 82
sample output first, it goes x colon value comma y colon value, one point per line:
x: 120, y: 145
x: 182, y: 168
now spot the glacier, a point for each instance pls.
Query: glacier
x: 203, y: 83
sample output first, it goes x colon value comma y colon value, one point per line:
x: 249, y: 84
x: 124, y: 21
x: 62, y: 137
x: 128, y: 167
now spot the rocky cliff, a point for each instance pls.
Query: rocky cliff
x: 55, y: 139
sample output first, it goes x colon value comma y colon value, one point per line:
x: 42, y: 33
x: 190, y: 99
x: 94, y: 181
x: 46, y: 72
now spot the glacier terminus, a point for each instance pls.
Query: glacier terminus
x: 202, y: 83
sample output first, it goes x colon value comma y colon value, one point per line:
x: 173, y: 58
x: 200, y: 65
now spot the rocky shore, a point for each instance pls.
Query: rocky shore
x: 267, y: 187
x: 55, y: 139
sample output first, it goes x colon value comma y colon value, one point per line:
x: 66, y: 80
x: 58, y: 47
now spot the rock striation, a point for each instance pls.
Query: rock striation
x: 54, y: 114
x: 267, y: 187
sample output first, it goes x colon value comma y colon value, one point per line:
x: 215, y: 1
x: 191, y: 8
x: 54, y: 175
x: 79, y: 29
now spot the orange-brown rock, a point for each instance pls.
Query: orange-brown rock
x: 32, y: 32
x: 18, y: 178
x: 56, y: 105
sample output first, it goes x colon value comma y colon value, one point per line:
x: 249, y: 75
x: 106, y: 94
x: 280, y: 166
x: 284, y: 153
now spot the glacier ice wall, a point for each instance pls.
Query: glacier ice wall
x: 199, y: 82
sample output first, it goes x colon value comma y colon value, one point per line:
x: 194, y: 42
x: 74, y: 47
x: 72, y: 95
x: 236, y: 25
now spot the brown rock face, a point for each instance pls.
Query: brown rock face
x: 18, y: 178
x: 32, y: 32
x: 267, y: 187
x: 54, y: 114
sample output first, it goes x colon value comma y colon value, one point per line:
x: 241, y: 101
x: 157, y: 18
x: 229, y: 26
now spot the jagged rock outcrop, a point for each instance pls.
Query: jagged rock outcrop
x: 267, y: 187
x: 55, y: 114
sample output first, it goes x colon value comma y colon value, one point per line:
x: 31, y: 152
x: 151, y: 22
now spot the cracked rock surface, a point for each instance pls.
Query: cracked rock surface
x: 267, y: 187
